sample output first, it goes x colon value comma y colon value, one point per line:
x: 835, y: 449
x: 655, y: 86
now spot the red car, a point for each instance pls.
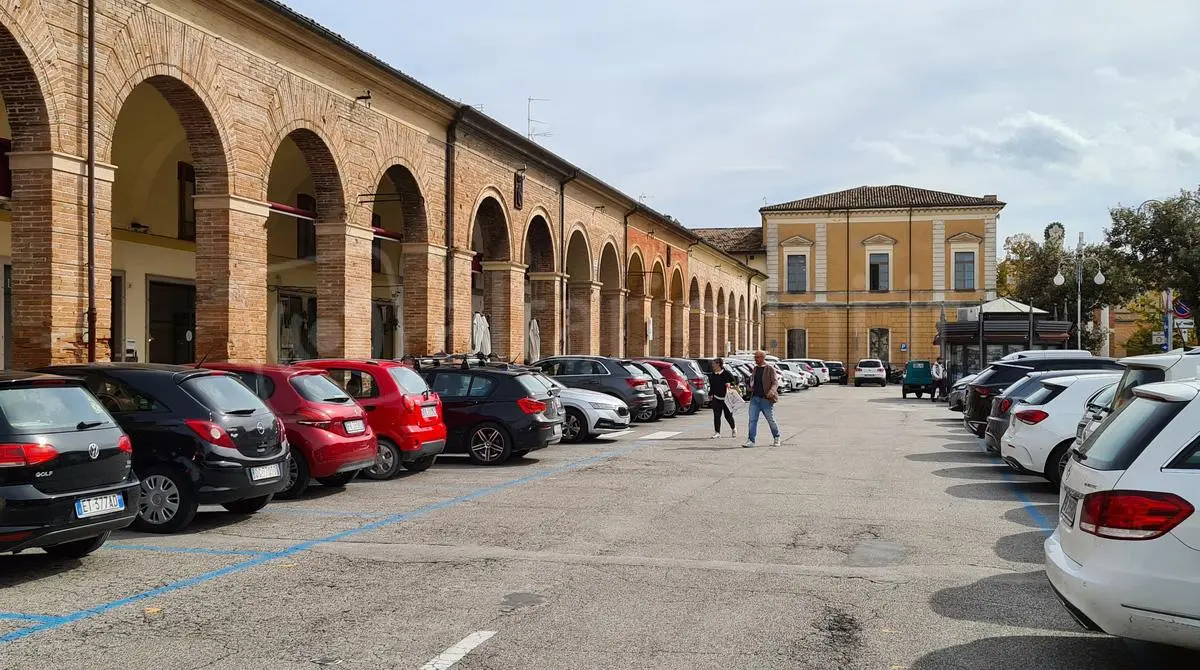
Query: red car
x: 680, y: 387
x: 328, y: 432
x: 405, y: 415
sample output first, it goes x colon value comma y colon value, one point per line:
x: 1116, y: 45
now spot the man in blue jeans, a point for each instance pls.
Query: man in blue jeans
x: 764, y: 391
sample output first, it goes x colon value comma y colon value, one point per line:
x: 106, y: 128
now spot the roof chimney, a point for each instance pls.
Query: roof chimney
x: 989, y: 198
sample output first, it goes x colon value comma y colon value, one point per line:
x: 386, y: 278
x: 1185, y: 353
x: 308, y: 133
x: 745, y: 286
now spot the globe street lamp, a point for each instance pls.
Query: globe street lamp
x: 1059, y: 280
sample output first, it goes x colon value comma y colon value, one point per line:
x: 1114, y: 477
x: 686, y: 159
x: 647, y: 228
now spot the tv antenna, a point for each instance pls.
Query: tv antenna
x: 534, y: 124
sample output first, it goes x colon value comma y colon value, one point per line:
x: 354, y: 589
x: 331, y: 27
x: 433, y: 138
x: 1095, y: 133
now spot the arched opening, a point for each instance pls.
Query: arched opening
x: 397, y: 216
x: 635, y: 307
x: 731, y: 324
x: 678, y: 314
x: 493, y: 283
x: 26, y: 199
x: 742, y: 338
x: 168, y: 151
x: 710, y: 325
x: 612, y: 301
x: 696, y: 321
x: 722, y: 325
x: 304, y: 190
x: 583, y: 297
x: 541, y: 291
x: 661, y: 321
x: 756, y: 329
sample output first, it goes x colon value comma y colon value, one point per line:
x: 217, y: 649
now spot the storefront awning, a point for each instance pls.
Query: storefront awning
x: 1003, y: 331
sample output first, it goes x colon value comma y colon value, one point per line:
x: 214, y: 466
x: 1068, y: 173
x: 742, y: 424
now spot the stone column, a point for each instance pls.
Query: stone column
x: 662, y: 327
x: 638, y: 309
x: 343, y: 290
x: 710, y: 335
x: 612, y: 306
x: 989, y: 258
x: 504, y: 306
x: 547, y: 306
x: 679, y: 330
x: 459, y: 303
x: 695, y: 348
x: 49, y: 259
x: 424, y: 298
x: 584, y: 317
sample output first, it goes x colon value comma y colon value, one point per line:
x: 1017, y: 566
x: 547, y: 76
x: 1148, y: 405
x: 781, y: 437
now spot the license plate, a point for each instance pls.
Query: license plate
x: 429, y: 412
x: 265, y: 472
x: 1070, y: 502
x: 354, y: 426
x: 89, y: 507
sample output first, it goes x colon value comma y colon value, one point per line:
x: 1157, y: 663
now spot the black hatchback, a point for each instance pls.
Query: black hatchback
x: 200, y: 437
x: 65, y: 475
x: 1001, y: 374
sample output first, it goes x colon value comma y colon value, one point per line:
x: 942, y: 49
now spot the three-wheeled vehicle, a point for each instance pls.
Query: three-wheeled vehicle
x: 918, y: 378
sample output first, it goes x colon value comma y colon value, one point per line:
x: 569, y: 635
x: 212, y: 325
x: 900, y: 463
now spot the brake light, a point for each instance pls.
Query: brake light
x: 1031, y: 416
x: 697, y: 383
x: 1005, y: 405
x: 638, y: 383
x: 279, y: 427
x: 1132, y: 515
x: 26, y: 455
x: 125, y: 445
x: 531, y: 406
x: 409, y: 403
x: 313, y: 417
x: 211, y: 433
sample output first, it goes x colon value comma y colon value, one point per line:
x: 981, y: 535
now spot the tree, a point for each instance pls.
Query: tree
x: 1148, y: 307
x: 1160, y: 241
x: 1027, y: 275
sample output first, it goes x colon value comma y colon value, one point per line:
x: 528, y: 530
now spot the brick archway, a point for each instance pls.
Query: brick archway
x: 400, y: 282
x: 678, y: 314
x: 661, y: 311
x: 583, y: 293
x: 720, y: 328
x: 612, y: 300
x: 543, y: 289
x: 636, y: 306
x: 710, y: 322
x: 695, y: 346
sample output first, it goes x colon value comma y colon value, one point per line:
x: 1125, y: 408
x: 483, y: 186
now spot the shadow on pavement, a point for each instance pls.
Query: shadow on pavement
x: 30, y: 566
x: 1022, y: 547
x: 991, y: 473
x: 946, y: 419
x: 911, y: 400
x: 956, y: 456
x: 1037, y: 651
x: 1040, y: 491
x: 1023, y: 600
x: 1023, y: 516
x: 963, y: 445
x: 464, y: 463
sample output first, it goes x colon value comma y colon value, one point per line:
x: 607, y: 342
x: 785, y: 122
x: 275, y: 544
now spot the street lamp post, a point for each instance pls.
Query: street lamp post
x: 1059, y: 280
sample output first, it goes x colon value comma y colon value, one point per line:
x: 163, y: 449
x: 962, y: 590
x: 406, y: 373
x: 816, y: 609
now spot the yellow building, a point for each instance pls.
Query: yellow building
x: 867, y: 272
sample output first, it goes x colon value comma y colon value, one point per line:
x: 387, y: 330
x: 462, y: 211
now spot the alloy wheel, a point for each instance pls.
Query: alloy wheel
x: 385, y: 462
x: 487, y: 444
x: 571, y: 427
x: 159, y: 502
x: 293, y: 472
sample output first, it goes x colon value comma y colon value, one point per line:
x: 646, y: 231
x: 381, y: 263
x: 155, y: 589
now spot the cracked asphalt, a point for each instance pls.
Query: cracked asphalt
x: 880, y: 535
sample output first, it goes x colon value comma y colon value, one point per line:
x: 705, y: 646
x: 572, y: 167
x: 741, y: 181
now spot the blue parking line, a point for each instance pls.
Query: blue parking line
x: 1030, y: 507
x: 308, y: 511
x: 18, y: 616
x: 52, y: 623
x: 183, y: 550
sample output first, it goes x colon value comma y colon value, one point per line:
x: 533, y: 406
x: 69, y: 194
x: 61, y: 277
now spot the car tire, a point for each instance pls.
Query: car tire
x: 166, y: 502
x: 671, y: 414
x: 1057, y: 462
x: 77, y: 548
x: 488, y: 444
x: 248, y: 505
x: 694, y: 407
x: 647, y: 415
x: 574, y: 426
x: 297, y: 477
x: 337, y: 480
x: 857, y: 384
x: 421, y: 464
x: 387, y: 462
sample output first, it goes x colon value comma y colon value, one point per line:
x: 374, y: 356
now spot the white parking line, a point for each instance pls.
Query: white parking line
x: 621, y: 433
x: 661, y: 435
x: 456, y: 653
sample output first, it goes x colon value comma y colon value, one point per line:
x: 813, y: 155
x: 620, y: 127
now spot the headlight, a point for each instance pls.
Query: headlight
x: 603, y: 405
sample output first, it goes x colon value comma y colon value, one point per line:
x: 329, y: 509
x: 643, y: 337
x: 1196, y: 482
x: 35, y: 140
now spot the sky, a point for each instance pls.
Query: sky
x: 712, y: 109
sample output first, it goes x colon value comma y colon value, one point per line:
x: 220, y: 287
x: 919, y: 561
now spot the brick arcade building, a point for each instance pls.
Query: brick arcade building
x: 266, y: 191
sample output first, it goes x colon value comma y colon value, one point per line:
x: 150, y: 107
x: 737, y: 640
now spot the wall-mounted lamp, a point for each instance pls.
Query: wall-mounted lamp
x: 365, y: 97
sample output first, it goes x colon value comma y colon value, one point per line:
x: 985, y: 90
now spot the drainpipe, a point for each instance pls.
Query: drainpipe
x: 451, y: 140
x: 91, y: 182
x: 848, y: 356
x: 625, y: 278
x: 752, y: 345
x: 562, y: 231
x: 910, y: 289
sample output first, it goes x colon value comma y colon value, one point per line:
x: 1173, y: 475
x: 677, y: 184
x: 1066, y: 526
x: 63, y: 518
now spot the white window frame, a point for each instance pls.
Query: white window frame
x: 799, y: 247
x: 878, y: 249
x: 957, y: 247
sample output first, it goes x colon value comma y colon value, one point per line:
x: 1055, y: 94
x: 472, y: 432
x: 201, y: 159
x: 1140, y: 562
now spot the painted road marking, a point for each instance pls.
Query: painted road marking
x: 456, y: 653
x: 622, y: 433
x: 661, y: 435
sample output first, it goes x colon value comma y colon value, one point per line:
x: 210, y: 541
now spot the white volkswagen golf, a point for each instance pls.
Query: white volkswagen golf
x: 1125, y: 558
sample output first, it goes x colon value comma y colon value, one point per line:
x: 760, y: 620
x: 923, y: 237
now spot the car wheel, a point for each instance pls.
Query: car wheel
x: 338, y: 480
x: 671, y: 412
x: 857, y: 384
x: 167, y: 502
x: 77, y: 548
x: 297, y: 476
x: 647, y: 414
x: 387, y: 462
x: 1057, y: 463
x: 904, y: 393
x: 488, y: 444
x: 918, y: 395
x: 421, y: 464
x: 248, y: 505
x: 574, y: 426
x: 694, y: 407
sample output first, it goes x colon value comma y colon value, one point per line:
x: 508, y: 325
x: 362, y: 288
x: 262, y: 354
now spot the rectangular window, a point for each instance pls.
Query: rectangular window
x: 964, y: 271
x: 5, y: 173
x: 880, y: 344
x: 797, y: 273
x: 187, y: 204
x: 879, y: 275
x: 306, y: 231
x: 797, y: 343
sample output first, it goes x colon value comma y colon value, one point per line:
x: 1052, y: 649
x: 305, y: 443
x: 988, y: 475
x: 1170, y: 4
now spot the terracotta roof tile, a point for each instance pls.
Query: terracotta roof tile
x: 733, y: 240
x: 884, y: 197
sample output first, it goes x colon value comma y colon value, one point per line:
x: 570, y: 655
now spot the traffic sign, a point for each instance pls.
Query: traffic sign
x: 1185, y: 324
x: 1182, y: 311
x: 1158, y: 337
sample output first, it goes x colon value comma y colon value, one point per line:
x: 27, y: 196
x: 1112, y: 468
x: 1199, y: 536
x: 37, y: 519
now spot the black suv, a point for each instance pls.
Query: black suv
x: 1002, y: 374
x: 200, y: 437
x: 493, y: 412
x: 65, y: 475
x: 666, y: 406
x: 616, y: 377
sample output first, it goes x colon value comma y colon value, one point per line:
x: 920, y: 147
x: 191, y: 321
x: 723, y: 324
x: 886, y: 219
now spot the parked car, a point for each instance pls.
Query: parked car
x: 1002, y: 405
x: 677, y: 383
x: 792, y: 373
x: 1150, y: 368
x: 998, y: 376
x: 406, y: 417
x: 1045, y: 353
x: 1039, y: 438
x: 870, y: 370
x: 837, y: 372
x: 957, y: 398
x: 807, y: 376
x: 1123, y: 557
x: 66, y: 475
x: 199, y: 437
x: 588, y: 414
x: 329, y: 435
x: 495, y: 412
x: 739, y: 376
x: 666, y: 407
x: 918, y: 379
x: 1099, y: 406
x: 616, y: 377
x: 818, y: 368
x: 745, y: 374
x: 696, y: 379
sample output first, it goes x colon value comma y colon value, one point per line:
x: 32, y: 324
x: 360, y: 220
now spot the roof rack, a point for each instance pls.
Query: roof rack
x: 465, y: 361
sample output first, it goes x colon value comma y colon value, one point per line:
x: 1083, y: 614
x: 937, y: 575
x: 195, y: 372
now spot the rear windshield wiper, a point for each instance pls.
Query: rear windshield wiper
x: 337, y: 398
x: 84, y: 425
x: 241, y: 412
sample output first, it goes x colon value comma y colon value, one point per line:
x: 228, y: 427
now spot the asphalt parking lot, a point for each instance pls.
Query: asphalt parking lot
x: 879, y: 535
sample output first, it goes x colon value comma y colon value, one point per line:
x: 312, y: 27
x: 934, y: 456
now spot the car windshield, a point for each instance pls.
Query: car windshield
x: 1118, y: 442
x: 224, y: 394
x: 652, y: 371
x: 318, y: 388
x: 408, y: 380
x: 634, y: 370
x: 50, y: 409
x: 870, y: 364
x: 533, y: 385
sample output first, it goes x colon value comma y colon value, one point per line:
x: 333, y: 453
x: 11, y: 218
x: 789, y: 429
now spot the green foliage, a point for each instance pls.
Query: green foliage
x: 1160, y: 241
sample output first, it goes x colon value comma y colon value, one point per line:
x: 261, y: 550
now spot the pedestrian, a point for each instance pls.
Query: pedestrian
x: 939, y: 380
x: 764, y: 391
x: 720, y: 383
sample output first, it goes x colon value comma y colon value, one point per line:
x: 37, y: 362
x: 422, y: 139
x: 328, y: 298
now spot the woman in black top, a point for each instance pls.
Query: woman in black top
x: 720, y: 381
